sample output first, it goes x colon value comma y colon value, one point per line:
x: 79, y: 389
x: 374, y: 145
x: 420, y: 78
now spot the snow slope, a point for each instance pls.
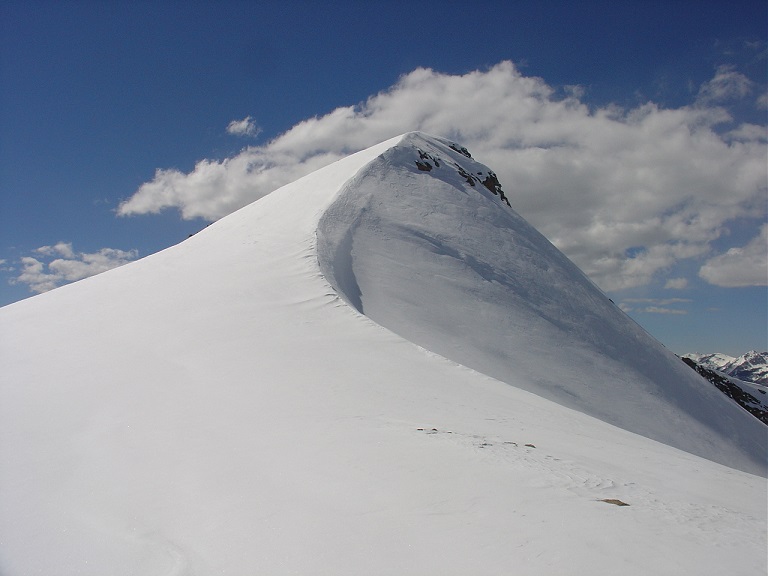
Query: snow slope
x: 447, y: 265
x: 216, y: 408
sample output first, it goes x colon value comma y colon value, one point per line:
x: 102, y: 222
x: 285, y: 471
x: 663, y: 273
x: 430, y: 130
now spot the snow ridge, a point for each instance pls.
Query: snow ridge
x: 414, y: 243
x: 749, y: 367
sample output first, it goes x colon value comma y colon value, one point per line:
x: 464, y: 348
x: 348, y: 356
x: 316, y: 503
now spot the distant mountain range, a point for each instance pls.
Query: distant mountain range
x: 743, y: 379
x: 749, y: 367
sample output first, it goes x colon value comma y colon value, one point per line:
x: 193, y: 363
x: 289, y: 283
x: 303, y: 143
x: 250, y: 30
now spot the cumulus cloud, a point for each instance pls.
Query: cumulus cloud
x: 245, y: 127
x: 676, y: 283
x: 739, y: 267
x: 598, y: 182
x: 63, y: 249
x: 67, y: 265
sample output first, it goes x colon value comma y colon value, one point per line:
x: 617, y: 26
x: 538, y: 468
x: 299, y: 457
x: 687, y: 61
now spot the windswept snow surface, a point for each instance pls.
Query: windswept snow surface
x: 447, y: 265
x: 216, y: 408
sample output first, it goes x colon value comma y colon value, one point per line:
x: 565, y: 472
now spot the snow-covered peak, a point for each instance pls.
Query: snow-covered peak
x: 218, y: 408
x: 749, y: 367
x: 442, y: 156
x: 416, y: 243
x: 714, y: 361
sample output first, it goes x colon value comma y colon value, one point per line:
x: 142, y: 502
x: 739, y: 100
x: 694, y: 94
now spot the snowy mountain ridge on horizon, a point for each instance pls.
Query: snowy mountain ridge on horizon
x: 379, y: 368
x: 749, y: 395
x: 749, y: 367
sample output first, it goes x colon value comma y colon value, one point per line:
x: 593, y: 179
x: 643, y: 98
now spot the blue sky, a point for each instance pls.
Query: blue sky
x: 631, y: 133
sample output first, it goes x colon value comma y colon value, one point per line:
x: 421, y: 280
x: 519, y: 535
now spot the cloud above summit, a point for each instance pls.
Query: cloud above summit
x: 625, y: 193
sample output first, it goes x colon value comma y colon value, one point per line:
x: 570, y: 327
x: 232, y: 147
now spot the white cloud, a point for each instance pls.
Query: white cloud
x: 748, y: 132
x: 63, y: 249
x: 726, y: 85
x: 655, y: 305
x: 738, y: 267
x: 676, y: 283
x: 40, y: 276
x: 657, y: 301
x: 245, y: 127
x: 596, y: 182
x: 661, y: 310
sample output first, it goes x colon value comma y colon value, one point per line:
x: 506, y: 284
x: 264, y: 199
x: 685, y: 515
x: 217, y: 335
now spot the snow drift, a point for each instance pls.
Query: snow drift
x: 217, y: 408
